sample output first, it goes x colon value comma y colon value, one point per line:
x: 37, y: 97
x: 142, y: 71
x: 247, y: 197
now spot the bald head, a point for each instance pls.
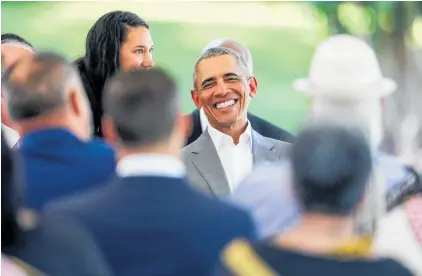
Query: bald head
x: 234, y: 45
x: 13, y: 47
x: 37, y: 85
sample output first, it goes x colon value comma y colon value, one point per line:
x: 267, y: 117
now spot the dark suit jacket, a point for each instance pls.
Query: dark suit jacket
x: 258, y: 124
x: 152, y: 225
x: 56, y: 245
x: 56, y: 163
x: 60, y: 246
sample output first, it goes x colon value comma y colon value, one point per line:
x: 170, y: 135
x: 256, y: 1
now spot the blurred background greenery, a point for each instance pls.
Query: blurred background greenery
x: 281, y: 36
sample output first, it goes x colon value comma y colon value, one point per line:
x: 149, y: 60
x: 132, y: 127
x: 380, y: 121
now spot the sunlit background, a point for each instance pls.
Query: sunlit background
x: 281, y: 35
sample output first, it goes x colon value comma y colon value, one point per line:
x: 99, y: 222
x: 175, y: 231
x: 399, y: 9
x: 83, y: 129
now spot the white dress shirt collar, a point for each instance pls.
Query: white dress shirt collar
x: 220, y: 139
x: 11, y: 135
x: 237, y: 160
x: 203, y: 119
x: 150, y: 165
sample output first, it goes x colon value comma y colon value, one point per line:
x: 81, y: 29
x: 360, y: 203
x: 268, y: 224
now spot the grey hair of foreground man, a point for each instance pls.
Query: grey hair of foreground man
x: 220, y: 51
x: 143, y: 106
x: 234, y: 45
x: 39, y: 85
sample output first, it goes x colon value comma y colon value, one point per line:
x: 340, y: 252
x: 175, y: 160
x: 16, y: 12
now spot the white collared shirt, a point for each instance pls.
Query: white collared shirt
x: 237, y: 160
x: 150, y: 165
x: 203, y: 119
x: 12, y: 136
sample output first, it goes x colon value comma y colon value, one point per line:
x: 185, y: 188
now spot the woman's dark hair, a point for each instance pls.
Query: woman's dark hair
x: 102, y: 55
x: 10, y: 200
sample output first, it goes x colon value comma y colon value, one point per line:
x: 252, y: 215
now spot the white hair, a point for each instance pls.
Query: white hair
x: 372, y: 207
x: 16, y: 43
x: 244, y: 51
x: 367, y: 115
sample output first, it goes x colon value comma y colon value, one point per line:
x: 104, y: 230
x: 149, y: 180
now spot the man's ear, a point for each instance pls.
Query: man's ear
x: 109, y: 131
x: 195, y: 98
x: 253, y: 86
x: 186, y: 125
x: 75, y: 102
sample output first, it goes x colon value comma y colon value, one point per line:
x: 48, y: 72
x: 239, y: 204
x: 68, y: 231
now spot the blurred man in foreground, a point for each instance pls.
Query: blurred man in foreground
x: 331, y: 167
x: 345, y: 85
x: 54, y: 245
x: 13, y: 47
x: 45, y: 98
x: 149, y: 220
x: 263, y: 127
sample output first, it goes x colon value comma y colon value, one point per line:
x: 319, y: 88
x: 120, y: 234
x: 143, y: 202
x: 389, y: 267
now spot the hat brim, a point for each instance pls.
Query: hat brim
x: 378, y: 89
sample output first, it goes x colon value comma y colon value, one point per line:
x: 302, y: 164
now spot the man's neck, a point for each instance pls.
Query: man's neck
x: 317, y: 233
x: 48, y: 122
x: 235, y: 130
x: 162, y: 149
x: 9, y: 124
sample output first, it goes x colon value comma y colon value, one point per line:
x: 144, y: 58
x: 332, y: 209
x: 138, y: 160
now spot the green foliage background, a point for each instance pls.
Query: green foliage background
x: 281, y: 53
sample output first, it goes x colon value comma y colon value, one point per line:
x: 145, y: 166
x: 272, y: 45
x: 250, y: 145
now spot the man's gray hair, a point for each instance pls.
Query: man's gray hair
x: 143, y: 105
x: 221, y: 51
x: 38, y: 85
x: 234, y: 45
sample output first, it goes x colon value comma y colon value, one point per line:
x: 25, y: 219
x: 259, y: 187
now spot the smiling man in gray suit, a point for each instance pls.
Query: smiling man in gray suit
x: 228, y: 150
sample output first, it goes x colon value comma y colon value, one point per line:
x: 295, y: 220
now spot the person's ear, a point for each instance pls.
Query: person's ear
x: 75, y: 102
x: 109, y: 131
x: 186, y: 125
x: 195, y: 98
x: 253, y: 86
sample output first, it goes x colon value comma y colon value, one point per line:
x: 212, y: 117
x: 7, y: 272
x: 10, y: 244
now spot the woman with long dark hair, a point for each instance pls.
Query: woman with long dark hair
x: 117, y: 41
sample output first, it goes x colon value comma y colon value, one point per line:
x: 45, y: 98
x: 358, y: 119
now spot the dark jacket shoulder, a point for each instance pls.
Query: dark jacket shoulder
x: 269, y: 130
x: 61, y: 246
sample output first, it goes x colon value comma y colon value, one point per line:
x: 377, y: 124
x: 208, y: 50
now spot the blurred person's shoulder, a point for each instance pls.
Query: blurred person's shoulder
x: 267, y: 194
x: 216, y: 210
x: 402, y: 180
x: 98, y: 144
x: 99, y: 149
x: 399, y: 234
x: 59, y: 245
x: 268, y: 179
x: 241, y: 258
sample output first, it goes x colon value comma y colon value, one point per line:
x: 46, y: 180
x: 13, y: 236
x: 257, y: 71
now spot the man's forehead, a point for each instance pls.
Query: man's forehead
x: 11, y: 53
x: 216, y: 66
x: 12, y: 46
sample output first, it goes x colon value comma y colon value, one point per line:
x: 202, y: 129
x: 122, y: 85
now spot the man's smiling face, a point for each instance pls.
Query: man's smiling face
x: 222, y: 89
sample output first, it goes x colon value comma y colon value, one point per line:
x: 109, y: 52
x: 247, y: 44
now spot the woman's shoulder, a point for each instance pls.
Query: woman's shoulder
x: 264, y: 258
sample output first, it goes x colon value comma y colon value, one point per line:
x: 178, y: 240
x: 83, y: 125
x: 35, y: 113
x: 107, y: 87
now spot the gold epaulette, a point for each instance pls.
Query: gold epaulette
x: 241, y: 260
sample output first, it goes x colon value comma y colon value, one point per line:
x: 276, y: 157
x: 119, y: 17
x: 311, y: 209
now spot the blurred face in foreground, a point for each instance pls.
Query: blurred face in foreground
x: 10, y: 53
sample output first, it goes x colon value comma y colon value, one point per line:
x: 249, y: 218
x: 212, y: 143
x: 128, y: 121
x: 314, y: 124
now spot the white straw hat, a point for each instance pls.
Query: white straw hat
x: 345, y: 67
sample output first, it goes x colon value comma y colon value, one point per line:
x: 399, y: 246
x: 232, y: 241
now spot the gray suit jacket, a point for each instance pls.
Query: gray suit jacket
x: 205, y: 171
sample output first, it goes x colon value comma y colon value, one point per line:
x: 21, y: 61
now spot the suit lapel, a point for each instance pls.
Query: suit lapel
x: 206, y: 160
x: 262, y: 149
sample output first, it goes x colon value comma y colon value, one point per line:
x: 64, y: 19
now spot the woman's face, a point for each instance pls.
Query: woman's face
x: 136, y: 50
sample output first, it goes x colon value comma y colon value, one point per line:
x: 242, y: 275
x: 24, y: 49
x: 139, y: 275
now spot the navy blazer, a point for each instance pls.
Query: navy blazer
x: 258, y: 124
x: 60, y: 246
x: 56, y: 163
x: 151, y: 225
